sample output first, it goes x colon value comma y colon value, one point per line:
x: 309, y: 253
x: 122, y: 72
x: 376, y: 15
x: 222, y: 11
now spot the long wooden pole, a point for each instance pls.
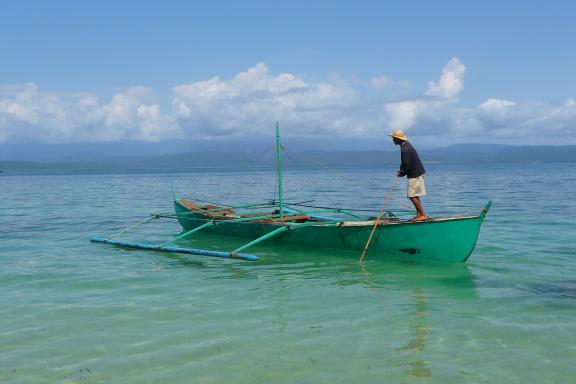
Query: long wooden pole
x: 377, y: 221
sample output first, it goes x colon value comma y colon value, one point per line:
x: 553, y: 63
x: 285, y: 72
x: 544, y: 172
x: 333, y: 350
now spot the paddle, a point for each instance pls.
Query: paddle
x: 377, y: 221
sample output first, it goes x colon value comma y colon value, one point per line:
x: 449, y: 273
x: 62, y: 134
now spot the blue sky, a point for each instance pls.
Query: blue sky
x: 443, y: 71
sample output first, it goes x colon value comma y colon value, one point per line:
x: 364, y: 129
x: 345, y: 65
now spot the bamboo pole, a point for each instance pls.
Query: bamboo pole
x: 193, y: 251
x: 134, y: 226
x: 377, y: 221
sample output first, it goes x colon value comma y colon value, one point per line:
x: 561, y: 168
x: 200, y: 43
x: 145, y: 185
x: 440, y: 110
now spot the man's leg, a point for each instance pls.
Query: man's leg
x: 420, y: 214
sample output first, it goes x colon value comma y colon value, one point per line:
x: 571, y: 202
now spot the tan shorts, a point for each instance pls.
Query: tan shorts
x: 416, y: 187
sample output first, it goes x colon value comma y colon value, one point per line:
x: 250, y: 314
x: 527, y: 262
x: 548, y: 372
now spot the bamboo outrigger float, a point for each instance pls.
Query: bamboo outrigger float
x: 446, y: 239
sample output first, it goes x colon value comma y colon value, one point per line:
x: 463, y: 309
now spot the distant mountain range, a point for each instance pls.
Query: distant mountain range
x: 100, y: 156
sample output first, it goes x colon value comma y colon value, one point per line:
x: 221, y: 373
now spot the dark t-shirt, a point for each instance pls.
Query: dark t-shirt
x: 411, y: 165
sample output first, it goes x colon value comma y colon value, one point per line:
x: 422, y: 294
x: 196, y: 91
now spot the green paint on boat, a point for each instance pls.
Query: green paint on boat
x: 445, y: 239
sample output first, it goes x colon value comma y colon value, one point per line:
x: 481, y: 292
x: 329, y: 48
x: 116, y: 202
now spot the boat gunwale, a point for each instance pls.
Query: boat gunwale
x: 344, y: 223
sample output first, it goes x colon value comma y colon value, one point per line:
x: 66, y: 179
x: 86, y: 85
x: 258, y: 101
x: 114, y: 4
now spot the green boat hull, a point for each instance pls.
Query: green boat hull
x: 450, y: 239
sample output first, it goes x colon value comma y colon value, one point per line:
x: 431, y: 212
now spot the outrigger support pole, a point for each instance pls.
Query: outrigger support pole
x: 262, y: 238
x: 189, y: 233
x: 280, y: 230
x: 134, y: 226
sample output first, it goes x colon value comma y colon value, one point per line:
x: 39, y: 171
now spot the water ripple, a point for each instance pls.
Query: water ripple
x: 73, y: 311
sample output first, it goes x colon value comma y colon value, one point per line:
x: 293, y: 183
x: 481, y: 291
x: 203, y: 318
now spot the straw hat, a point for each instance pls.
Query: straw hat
x: 399, y: 135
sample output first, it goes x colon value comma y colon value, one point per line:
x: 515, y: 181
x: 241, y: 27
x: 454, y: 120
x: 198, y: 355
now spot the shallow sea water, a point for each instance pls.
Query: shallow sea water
x: 76, y: 312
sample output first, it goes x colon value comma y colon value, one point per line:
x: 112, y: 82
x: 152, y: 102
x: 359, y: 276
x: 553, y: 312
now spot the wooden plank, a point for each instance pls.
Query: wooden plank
x: 190, y: 205
x: 285, y: 218
x: 214, y: 211
x: 258, y: 214
x: 221, y: 213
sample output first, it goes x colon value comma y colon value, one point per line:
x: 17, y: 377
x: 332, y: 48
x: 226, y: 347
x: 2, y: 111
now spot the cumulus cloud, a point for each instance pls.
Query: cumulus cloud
x: 450, y: 83
x: 250, y: 102
x: 437, y: 113
x: 28, y: 113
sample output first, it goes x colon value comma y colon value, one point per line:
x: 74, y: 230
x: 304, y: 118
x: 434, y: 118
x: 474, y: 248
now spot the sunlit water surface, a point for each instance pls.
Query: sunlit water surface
x: 72, y: 311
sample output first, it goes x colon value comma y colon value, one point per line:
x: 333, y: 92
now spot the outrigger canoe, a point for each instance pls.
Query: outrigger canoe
x: 443, y: 239
x: 447, y: 239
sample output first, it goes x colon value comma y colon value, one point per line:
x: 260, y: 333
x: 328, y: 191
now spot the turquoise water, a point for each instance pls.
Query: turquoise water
x: 76, y: 312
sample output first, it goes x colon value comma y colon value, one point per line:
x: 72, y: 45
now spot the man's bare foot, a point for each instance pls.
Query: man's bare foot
x: 419, y: 218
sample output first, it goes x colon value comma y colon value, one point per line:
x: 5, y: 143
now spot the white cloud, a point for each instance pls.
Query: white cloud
x: 496, y: 105
x: 402, y: 115
x: 28, y: 113
x: 451, y: 82
x: 87, y: 102
x: 250, y: 102
x: 535, y: 120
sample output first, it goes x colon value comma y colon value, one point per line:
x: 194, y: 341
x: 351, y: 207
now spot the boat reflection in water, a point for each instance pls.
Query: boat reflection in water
x: 372, y: 320
x: 420, y: 330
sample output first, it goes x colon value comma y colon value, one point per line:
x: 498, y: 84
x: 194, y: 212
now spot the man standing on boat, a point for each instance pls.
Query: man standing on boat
x: 411, y: 167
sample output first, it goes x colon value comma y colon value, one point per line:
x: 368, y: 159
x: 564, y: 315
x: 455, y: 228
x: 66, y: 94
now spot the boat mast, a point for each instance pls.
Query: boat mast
x: 279, y: 171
